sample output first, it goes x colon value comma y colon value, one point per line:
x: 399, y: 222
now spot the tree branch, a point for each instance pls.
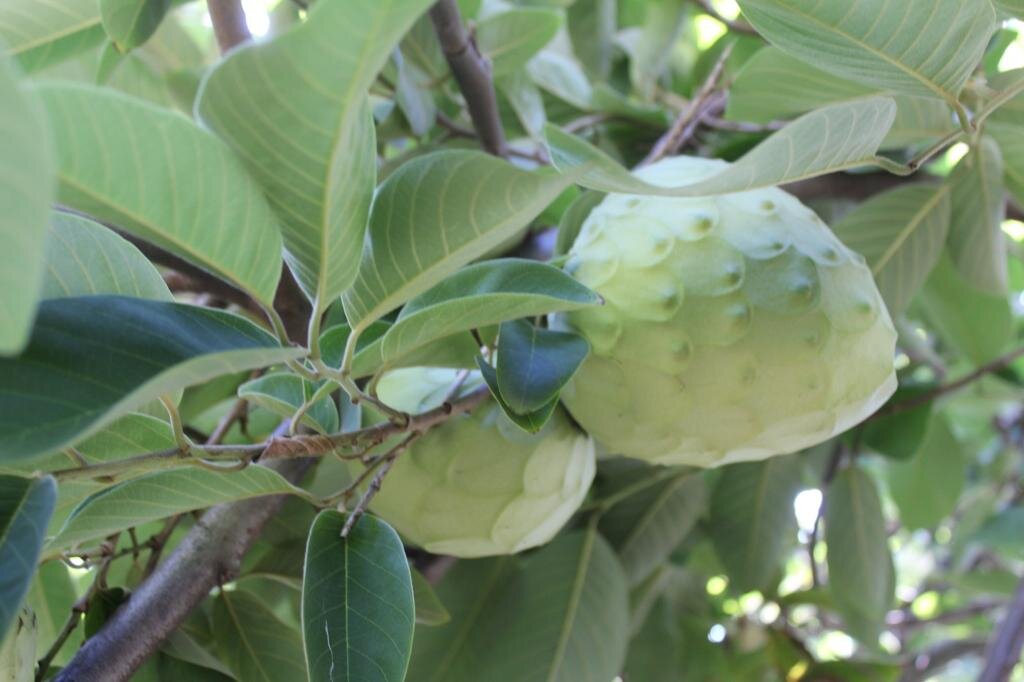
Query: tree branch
x: 473, y: 74
x: 738, y: 26
x: 210, y: 555
x: 1004, y: 649
x: 229, y: 25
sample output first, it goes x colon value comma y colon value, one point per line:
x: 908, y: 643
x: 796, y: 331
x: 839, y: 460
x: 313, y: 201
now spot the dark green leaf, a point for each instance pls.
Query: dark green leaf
x: 358, y: 611
x: 101, y: 607
x: 531, y: 422
x: 429, y: 609
x: 899, y: 436
x: 25, y: 508
x: 535, y: 363
x: 105, y: 355
x: 752, y: 521
x: 572, y: 220
x: 559, y: 615
x: 860, y: 569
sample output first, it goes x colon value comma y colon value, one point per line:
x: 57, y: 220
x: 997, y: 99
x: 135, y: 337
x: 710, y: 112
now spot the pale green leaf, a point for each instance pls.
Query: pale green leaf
x: 25, y: 508
x: 156, y: 174
x: 413, y: 95
x: 19, y: 649
x: 834, y: 138
x: 591, y: 26
x: 434, y: 215
x: 162, y: 494
x: 429, y: 609
x: 92, y: 359
x: 509, y: 39
x: 295, y: 110
x: 358, y: 611
x: 130, y: 23
x: 860, y: 569
x: 254, y: 643
x: 44, y: 32
x: 480, y: 295
x: 84, y: 258
x: 918, y: 120
x: 284, y: 393
x: 901, y: 234
x: 526, y: 100
x: 976, y: 240
x: 51, y: 596
x: 1010, y: 139
x: 559, y: 615
x: 752, y: 523
x: 975, y: 323
x: 1013, y: 8
x: 647, y: 526
x: 651, y: 44
x: 923, y: 47
x: 26, y: 192
x: 927, y: 487
x: 562, y: 76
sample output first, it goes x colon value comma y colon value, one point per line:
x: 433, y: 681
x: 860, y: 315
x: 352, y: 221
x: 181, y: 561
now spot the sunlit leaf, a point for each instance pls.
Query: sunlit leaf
x: 26, y: 192
x: 44, y: 32
x: 976, y: 240
x: 295, y: 110
x: 156, y: 174
x: 434, y: 215
x: 834, y: 138
x: 869, y: 40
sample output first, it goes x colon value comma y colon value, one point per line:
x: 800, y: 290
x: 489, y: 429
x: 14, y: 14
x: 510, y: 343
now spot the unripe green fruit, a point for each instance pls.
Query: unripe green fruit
x: 735, y: 327
x: 477, y: 485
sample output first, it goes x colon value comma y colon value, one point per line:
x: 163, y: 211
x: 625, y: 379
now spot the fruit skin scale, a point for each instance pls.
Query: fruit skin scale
x: 735, y: 327
x: 478, y: 485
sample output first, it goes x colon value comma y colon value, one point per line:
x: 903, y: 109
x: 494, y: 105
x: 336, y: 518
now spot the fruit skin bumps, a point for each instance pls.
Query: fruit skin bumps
x: 477, y: 485
x: 735, y: 328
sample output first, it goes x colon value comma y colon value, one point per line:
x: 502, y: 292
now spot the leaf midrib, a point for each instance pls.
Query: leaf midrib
x: 574, y: 600
x: 915, y: 222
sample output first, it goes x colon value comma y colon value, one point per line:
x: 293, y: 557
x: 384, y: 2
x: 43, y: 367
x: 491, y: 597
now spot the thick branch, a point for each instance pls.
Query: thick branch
x: 473, y: 74
x: 229, y: 25
x: 1004, y: 649
x: 210, y: 555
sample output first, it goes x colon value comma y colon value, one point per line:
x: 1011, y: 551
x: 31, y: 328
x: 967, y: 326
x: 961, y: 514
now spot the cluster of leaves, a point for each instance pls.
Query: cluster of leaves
x: 338, y: 151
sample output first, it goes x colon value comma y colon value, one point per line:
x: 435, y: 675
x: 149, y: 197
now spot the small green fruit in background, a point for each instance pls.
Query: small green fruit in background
x: 477, y: 485
x: 735, y: 328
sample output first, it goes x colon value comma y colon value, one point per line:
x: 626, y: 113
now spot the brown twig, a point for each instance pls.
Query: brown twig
x: 472, y: 73
x: 686, y: 123
x: 228, y: 19
x: 386, y: 462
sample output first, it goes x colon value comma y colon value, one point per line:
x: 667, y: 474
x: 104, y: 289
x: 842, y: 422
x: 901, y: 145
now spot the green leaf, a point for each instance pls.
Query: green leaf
x: 834, y: 138
x: 295, y: 110
x: 534, y: 364
x: 130, y: 23
x: 1003, y: 532
x: 105, y: 355
x: 531, y: 422
x: 84, y: 258
x: 1014, y: 8
x: 927, y: 488
x: 976, y: 240
x: 860, y: 568
x: 25, y: 508
x: 50, y: 597
x: 19, y: 650
x: 101, y: 607
x: 1011, y: 141
x: 39, y: 33
x: 255, y: 644
x: 592, y: 26
x: 284, y: 393
x: 135, y: 164
x: 526, y: 100
x: 509, y: 39
x: 559, y: 615
x: 901, y: 234
x: 477, y: 296
x: 413, y: 95
x: 429, y: 609
x: 26, y: 192
x: 647, y: 526
x: 752, y: 522
x: 870, y: 41
x: 650, y: 46
x: 975, y: 323
x: 572, y: 220
x: 163, y: 494
x: 899, y: 436
x: 358, y: 611
x: 434, y: 215
x: 562, y: 76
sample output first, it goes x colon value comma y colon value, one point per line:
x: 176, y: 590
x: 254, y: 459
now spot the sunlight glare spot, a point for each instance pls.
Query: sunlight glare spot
x: 806, y: 506
x: 716, y: 634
